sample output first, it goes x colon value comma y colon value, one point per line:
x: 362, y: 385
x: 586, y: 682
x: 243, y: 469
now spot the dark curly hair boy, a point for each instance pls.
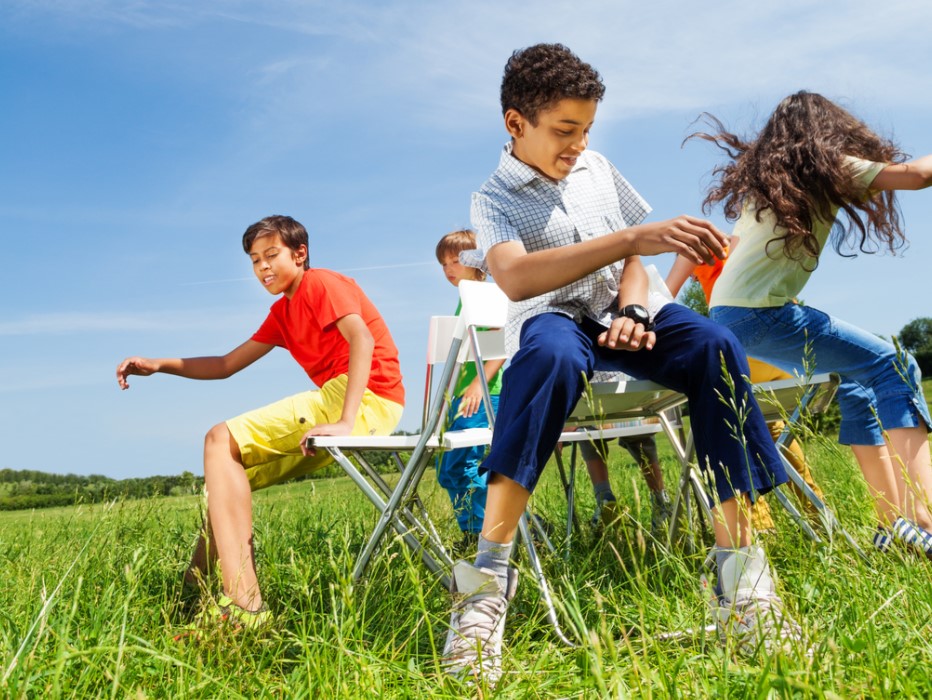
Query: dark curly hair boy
x: 539, y: 76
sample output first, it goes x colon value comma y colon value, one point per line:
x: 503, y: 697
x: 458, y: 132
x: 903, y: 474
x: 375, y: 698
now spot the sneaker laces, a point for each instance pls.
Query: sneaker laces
x: 767, y: 607
x: 479, y: 618
x: 756, y: 621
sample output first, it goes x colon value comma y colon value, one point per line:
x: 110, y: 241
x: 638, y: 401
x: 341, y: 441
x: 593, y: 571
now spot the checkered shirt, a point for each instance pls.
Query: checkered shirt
x: 518, y: 204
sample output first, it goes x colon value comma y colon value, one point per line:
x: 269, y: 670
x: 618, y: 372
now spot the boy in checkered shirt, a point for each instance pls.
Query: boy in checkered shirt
x: 561, y: 232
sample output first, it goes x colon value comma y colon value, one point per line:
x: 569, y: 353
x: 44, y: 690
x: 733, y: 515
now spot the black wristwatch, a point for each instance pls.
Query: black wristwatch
x: 638, y: 314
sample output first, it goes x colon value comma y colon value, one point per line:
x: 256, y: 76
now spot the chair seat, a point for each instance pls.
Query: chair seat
x: 640, y: 429
x: 780, y: 397
x: 450, y: 440
x: 627, y: 399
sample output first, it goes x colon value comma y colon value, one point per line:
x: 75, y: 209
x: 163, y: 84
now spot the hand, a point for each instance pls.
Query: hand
x: 471, y: 400
x: 134, y: 365
x: 339, y: 428
x: 695, y: 239
x: 625, y: 334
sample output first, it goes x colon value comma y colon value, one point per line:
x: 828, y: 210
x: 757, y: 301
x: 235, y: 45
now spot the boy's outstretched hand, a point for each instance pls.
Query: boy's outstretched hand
x: 693, y: 238
x: 140, y: 366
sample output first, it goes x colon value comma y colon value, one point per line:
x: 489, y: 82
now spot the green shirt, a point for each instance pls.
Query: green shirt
x: 757, y: 276
x: 468, y: 373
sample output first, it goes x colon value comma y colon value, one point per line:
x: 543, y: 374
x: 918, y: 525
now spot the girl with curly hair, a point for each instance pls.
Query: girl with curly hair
x: 816, y: 172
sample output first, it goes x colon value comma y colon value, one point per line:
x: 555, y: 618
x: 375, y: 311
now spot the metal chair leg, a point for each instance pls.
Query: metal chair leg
x: 541, y: 579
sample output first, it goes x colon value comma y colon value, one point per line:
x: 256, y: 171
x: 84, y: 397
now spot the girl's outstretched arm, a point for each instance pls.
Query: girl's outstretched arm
x: 914, y: 175
x: 679, y: 273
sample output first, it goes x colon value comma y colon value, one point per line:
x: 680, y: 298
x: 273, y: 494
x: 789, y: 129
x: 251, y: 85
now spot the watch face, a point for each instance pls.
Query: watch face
x: 636, y: 313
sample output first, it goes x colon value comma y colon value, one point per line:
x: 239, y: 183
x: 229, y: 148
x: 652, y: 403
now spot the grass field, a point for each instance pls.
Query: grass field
x: 91, y: 597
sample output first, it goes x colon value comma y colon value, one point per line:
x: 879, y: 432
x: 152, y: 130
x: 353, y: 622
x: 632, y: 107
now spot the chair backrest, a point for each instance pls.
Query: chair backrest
x: 484, y: 304
x: 485, y: 312
x: 485, y: 343
x: 441, y: 332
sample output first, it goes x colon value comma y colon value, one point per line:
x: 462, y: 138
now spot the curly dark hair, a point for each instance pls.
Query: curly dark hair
x: 539, y: 76
x: 796, y: 168
x: 292, y: 233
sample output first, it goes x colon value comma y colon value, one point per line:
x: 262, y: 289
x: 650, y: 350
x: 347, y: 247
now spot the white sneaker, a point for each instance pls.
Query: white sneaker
x: 473, y: 648
x: 748, y: 610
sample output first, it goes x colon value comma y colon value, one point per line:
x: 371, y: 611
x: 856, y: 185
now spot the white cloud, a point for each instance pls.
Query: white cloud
x: 443, y: 61
x: 440, y: 63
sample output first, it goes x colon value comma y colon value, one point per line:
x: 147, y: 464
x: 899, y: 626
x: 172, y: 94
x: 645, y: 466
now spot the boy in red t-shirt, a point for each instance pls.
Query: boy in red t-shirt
x: 336, y: 334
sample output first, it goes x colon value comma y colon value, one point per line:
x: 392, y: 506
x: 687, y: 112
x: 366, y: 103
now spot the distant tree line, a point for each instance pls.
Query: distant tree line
x: 24, y: 488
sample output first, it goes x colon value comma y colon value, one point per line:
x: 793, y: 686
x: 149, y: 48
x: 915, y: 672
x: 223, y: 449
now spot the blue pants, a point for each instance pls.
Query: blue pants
x: 547, y: 375
x: 877, y: 383
x: 458, y: 470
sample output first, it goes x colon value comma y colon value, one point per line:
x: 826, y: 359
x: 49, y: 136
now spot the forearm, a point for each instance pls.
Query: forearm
x: 195, y: 367
x: 357, y: 377
x: 532, y: 274
x: 632, y: 287
x: 491, y: 368
x: 679, y: 273
x: 523, y: 275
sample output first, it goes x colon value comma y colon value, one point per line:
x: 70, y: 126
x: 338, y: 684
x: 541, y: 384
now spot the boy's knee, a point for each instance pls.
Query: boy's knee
x: 721, y: 344
x: 220, y: 439
x: 562, y: 359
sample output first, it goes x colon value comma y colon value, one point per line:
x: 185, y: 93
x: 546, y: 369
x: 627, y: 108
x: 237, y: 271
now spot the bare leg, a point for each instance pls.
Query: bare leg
x: 652, y: 475
x: 732, y: 523
x: 204, y: 556
x: 909, y: 448
x: 598, y: 470
x: 504, y: 505
x: 881, y: 477
x: 229, y: 509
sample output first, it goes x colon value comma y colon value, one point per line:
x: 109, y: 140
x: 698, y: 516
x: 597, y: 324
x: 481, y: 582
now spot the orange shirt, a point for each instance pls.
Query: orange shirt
x: 707, y: 274
x: 305, y: 325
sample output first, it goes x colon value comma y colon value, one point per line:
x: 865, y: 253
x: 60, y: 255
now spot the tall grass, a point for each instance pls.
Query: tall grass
x: 91, y: 597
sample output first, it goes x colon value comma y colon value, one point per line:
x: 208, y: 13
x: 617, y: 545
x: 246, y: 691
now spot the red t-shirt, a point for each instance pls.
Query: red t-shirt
x: 305, y: 325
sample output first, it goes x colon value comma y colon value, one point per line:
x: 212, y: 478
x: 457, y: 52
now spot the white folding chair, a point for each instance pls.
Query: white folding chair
x: 400, y: 507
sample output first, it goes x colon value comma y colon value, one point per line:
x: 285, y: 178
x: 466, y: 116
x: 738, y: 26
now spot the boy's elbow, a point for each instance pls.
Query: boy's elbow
x: 515, y: 290
x: 511, y: 280
x: 363, y: 339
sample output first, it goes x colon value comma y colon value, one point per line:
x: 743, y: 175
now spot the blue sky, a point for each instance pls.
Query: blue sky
x: 139, y: 139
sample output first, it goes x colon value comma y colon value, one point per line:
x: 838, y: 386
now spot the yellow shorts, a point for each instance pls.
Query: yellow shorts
x: 269, y: 437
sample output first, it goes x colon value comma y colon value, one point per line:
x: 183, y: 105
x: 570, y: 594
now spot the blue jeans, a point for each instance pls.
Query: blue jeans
x: 879, y: 390
x: 547, y: 376
x: 458, y: 470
